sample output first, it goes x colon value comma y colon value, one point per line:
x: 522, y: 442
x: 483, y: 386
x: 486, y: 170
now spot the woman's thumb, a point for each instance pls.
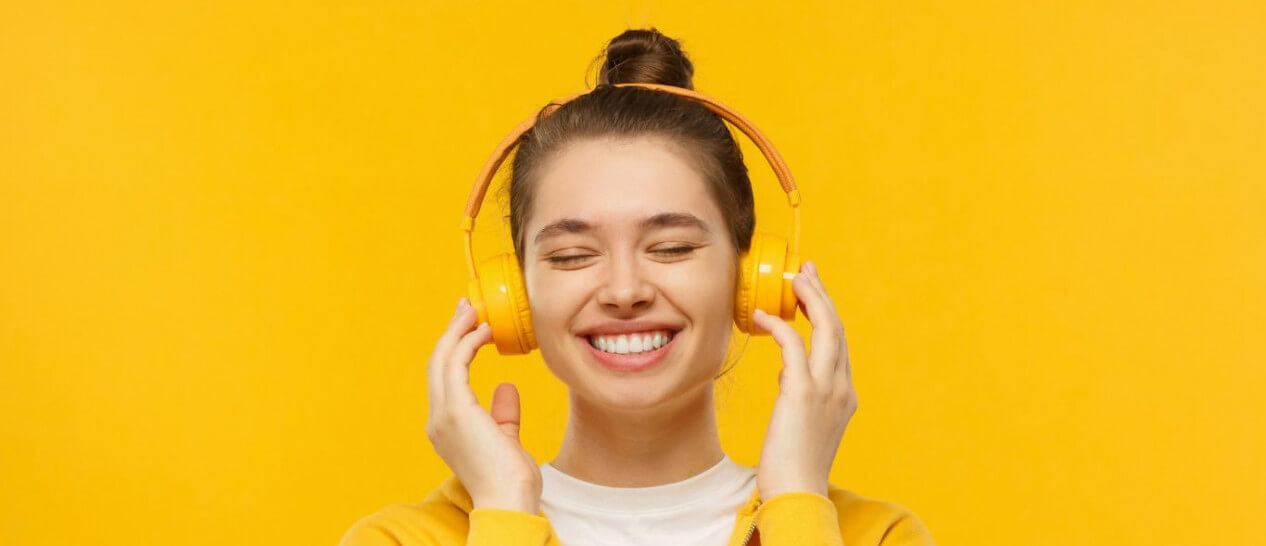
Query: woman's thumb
x: 505, y: 409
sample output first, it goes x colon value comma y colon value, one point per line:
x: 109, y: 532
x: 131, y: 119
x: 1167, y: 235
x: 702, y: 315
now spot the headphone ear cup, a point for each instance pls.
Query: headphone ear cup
x: 765, y: 274
x: 498, y: 295
x: 744, y: 293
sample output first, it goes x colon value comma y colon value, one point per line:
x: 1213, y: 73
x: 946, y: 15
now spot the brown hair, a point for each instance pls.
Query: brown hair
x: 639, y: 56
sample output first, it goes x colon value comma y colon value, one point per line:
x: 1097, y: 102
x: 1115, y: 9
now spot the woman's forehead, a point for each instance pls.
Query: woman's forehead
x: 620, y: 183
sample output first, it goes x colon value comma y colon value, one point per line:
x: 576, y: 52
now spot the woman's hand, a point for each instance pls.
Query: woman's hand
x: 481, y: 447
x: 815, y: 395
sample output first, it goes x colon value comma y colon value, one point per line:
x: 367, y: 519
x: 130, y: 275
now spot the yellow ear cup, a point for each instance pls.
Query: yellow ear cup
x: 765, y: 274
x: 743, y: 301
x: 498, y: 295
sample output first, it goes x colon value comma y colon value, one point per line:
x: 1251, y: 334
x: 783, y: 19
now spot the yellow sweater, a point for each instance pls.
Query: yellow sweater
x: 799, y: 518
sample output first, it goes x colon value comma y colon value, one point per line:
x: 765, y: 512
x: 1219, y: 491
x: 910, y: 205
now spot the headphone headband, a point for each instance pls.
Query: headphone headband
x: 486, y: 174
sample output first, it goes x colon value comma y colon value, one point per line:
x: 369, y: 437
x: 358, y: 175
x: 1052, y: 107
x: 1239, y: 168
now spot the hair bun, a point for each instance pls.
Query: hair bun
x: 645, y: 56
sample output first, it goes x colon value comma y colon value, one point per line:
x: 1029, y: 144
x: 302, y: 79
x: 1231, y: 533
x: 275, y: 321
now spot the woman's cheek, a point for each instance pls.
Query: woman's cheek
x: 556, y: 298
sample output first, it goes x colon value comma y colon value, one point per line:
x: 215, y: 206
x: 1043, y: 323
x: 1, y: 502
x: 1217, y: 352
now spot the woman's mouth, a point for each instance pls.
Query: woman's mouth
x: 630, y: 352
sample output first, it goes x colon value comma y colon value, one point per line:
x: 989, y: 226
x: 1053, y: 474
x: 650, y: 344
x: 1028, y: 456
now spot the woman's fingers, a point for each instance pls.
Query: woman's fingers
x: 843, y: 373
x: 457, y: 375
x: 504, y: 409
x: 816, y: 279
x: 439, y: 356
x: 843, y: 370
x: 824, y: 350
x: 795, y: 370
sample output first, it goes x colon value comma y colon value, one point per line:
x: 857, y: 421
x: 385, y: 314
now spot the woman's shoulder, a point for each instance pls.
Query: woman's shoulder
x: 892, y: 522
x: 438, y: 518
x: 852, y: 502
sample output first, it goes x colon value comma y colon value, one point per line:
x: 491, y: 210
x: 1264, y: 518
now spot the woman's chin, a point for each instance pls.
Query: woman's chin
x: 619, y: 389
x: 624, y: 397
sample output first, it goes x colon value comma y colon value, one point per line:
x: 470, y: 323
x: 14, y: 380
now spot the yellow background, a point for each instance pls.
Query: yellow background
x: 229, y: 238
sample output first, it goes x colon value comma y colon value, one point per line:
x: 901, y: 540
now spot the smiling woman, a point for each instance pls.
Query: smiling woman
x: 632, y: 218
x: 654, y: 258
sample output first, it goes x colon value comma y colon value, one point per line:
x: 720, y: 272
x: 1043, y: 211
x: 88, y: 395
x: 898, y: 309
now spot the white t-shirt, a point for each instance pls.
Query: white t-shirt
x: 697, y: 511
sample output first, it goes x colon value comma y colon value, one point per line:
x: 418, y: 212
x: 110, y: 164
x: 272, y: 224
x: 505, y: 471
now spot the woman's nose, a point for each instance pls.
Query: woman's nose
x: 625, y: 288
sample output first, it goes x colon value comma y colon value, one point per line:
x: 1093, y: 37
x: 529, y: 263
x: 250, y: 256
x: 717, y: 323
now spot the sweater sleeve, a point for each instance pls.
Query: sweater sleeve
x: 909, y: 530
x: 368, y: 532
x: 798, y: 517
x: 501, y: 527
x: 407, y: 526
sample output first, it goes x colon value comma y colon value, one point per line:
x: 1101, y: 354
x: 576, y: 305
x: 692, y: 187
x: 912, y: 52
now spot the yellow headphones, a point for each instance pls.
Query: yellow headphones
x: 496, y: 289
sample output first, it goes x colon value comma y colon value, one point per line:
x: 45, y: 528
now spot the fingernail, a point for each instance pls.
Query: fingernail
x: 813, y: 269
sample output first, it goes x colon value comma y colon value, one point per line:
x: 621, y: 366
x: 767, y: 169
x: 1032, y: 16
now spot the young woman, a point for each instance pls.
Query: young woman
x: 629, y: 210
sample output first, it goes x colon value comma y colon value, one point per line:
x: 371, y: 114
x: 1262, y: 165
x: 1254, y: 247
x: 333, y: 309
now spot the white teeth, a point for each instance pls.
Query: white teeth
x: 631, y: 344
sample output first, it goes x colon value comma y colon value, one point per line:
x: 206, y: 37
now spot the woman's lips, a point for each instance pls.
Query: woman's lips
x: 629, y: 363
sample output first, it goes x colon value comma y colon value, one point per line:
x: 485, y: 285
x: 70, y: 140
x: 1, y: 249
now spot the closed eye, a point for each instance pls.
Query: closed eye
x: 564, y: 260
x: 675, y: 251
x: 574, y: 258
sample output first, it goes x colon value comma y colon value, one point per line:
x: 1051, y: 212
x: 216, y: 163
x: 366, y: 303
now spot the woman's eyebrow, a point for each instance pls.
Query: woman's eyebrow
x: 658, y: 221
x: 566, y: 225
x: 673, y: 219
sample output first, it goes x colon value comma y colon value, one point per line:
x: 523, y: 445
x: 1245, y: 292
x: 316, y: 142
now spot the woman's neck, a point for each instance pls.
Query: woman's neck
x: 640, y: 449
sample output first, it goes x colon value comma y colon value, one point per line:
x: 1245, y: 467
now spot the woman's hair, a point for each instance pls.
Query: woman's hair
x: 639, y: 56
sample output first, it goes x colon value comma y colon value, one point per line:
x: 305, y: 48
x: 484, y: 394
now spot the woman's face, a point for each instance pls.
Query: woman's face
x: 597, y: 202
